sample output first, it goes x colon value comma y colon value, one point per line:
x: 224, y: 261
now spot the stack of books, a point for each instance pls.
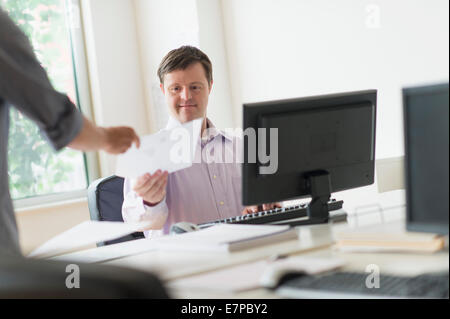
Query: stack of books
x: 388, y: 237
x: 227, y: 238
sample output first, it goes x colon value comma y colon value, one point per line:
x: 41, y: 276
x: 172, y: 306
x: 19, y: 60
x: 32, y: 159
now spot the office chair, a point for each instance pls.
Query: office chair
x: 42, y: 279
x: 105, y: 198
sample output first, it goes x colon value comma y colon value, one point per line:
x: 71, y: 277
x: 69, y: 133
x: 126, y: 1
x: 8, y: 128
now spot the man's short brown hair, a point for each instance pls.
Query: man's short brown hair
x: 181, y: 59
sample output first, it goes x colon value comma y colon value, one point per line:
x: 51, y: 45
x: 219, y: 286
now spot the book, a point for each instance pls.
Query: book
x: 227, y: 238
x: 388, y: 237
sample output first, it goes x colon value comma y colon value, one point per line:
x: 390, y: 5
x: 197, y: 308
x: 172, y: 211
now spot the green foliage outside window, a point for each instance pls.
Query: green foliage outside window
x: 34, y: 167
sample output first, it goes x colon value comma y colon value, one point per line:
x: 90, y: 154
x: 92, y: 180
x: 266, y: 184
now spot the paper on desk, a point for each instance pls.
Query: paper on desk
x: 227, y: 238
x: 109, y: 252
x: 83, y: 235
x: 168, y: 150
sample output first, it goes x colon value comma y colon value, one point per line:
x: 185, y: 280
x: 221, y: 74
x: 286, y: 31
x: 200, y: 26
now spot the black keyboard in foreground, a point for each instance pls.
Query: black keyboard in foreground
x: 353, y: 285
x: 279, y: 216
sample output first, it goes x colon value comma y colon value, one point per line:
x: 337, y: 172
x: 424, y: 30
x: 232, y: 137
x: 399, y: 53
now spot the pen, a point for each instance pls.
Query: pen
x: 276, y: 257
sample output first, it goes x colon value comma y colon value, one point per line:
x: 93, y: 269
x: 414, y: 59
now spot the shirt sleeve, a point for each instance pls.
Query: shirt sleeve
x: 24, y: 84
x: 134, y: 209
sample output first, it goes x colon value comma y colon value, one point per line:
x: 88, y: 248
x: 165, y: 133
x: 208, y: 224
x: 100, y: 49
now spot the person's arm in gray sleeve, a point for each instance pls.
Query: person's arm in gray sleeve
x: 25, y: 85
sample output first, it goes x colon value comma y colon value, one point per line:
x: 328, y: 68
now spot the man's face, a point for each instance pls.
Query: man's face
x: 187, y: 92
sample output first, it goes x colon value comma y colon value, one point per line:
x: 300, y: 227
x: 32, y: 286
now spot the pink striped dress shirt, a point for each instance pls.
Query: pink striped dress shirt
x: 206, y: 191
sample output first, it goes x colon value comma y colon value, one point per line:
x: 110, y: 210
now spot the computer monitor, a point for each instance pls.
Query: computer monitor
x: 324, y: 144
x: 426, y: 112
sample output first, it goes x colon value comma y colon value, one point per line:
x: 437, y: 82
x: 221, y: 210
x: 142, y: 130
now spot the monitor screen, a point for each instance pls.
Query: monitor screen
x: 331, y: 134
x: 426, y: 119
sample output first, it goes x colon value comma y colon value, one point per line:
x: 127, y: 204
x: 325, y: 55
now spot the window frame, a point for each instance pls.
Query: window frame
x: 84, y: 98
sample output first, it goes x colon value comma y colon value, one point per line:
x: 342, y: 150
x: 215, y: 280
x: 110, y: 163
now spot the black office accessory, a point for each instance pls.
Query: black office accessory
x: 426, y: 125
x: 105, y: 199
x: 183, y: 227
x: 355, y: 285
x: 325, y: 144
x: 289, y: 215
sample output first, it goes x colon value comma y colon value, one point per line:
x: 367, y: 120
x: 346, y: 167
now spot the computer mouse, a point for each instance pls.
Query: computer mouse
x: 274, y: 276
x: 183, y: 227
x: 279, y: 271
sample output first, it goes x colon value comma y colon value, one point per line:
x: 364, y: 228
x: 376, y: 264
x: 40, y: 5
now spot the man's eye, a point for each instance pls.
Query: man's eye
x: 175, y: 89
x: 196, y: 87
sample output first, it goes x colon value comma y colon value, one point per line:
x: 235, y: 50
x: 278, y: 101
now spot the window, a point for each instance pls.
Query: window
x: 35, y: 169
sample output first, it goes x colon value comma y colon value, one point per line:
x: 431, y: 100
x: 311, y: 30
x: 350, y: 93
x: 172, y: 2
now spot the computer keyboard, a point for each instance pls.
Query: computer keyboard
x: 353, y: 285
x: 280, y: 216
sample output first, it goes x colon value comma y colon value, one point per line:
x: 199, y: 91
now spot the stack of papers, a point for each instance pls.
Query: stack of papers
x: 218, y: 238
x: 109, y: 252
x: 227, y: 238
x: 84, y: 235
x: 388, y: 237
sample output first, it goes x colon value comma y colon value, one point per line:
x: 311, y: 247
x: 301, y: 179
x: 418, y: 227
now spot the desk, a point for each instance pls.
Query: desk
x: 313, y: 241
x: 388, y: 263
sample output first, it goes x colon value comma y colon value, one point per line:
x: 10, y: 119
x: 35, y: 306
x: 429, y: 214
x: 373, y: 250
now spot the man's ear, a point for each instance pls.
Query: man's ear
x: 210, y: 86
x: 162, y: 88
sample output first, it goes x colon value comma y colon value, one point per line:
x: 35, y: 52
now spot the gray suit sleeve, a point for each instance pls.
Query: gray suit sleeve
x: 25, y: 85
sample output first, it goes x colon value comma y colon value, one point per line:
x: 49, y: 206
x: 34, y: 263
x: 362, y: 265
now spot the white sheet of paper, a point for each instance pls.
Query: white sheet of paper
x: 168, y: 150
x: 109, y: 252
x: 218, y: 237
x: 83, y: 235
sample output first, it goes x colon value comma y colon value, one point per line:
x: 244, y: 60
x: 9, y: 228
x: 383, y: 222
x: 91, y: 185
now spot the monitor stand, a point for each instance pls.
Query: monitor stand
x: 319, y: 184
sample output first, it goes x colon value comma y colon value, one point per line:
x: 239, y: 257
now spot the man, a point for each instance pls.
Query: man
x: 24, y: 84
x: 205, y: 191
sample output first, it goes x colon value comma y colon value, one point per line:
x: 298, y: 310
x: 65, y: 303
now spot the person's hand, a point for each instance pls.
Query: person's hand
x: 118, y: 139
x: 255, y: 209
x: 113, y: 140
x: 152, y: 188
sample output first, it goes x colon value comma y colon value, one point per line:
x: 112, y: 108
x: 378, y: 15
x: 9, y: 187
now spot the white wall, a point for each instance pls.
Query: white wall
x: 267, y: 49
x: 262, y: 50
x: 38, y: 224
x: 212, y: 40
x: 114, y: 68
x: 162, y: 26
x: 293, y: 48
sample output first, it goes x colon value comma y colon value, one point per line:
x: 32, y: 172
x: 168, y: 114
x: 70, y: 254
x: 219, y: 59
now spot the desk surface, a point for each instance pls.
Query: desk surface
x: 400, y: 264
x: 313, y: 241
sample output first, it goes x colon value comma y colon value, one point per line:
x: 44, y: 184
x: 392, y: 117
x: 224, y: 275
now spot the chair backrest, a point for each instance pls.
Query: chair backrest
x: 105, y: 199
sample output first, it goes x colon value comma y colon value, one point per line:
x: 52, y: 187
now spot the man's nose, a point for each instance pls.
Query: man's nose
x: 186, y: 94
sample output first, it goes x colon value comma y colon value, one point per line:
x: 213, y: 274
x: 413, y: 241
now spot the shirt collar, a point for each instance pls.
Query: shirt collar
x: 172, y: 123
x: 211, y: 132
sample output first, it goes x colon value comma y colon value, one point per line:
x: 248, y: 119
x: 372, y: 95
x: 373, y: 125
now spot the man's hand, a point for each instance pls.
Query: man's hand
x: 152, y: 188
x: 255, y: 209
x: 119, y: 139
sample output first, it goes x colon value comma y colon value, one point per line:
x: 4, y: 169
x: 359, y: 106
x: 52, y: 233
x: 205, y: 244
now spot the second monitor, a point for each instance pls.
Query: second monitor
x: 323, y: 144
